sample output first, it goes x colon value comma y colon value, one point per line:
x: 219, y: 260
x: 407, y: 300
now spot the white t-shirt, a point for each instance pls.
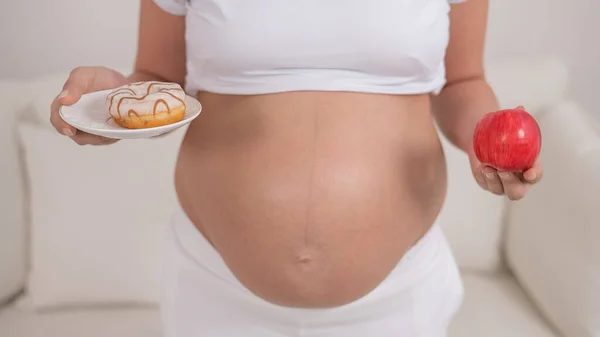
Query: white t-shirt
x: 268, y: 46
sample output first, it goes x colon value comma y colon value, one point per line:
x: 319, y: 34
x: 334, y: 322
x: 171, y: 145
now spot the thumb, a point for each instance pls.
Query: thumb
x: 69, y: 96
x: 76, y: 85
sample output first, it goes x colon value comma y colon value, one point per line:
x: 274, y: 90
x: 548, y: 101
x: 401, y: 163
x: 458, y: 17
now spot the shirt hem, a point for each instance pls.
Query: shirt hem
x: 171, y: 8
x: 434, y: 88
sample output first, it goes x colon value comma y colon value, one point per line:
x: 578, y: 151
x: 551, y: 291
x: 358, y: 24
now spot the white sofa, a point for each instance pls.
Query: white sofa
x: 79, y: 249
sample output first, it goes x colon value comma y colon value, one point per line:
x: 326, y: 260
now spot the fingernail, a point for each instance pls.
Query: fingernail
x: 67, y: 132
x: 504, y: 174
x: 64, y: 93
x: 489, y: 175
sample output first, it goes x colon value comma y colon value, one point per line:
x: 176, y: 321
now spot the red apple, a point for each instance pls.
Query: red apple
x: 508, y: 140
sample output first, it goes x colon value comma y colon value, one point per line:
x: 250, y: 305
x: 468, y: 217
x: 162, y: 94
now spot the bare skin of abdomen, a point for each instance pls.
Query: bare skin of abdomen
x: 312, y: 198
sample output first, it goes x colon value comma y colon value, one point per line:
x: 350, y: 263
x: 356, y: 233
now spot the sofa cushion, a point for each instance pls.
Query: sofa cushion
x: 97, y: 216
x: 552, y: 236
x: 495, y: 306
x: 21, y: 101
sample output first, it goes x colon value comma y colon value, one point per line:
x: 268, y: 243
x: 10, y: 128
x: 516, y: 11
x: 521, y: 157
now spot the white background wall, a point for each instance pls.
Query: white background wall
x: 38, y: 37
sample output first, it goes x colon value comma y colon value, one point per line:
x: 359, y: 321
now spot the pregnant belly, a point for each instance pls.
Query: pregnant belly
x: 309, y: 209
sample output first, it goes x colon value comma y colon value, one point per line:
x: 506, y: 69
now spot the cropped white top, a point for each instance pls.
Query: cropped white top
x: 268, y: 46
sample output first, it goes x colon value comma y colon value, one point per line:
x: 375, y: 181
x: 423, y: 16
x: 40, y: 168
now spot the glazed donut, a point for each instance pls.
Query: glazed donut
x: 146, y: 104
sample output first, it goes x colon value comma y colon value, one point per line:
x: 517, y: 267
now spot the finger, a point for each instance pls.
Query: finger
x: 59, y: 124
x: 493, y: 181
x: 513, y: 187
x: 534, y: 174
x: 480, y: 178
x: 83, y: 138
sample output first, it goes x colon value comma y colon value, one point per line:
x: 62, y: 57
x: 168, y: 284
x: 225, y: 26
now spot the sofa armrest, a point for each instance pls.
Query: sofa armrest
x: 13, y: 250
x: 552, y: 234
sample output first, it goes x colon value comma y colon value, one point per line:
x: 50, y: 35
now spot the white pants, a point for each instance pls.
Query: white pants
x: 202, y: 298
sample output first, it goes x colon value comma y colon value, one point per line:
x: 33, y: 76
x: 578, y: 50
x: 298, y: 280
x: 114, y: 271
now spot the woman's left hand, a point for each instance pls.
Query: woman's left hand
x: 512, y: 184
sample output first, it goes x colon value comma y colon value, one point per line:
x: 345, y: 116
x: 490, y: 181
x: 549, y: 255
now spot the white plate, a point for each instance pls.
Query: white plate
x: 90, y: 114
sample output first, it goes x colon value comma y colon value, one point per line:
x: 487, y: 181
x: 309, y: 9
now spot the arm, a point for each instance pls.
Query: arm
x: 161, y: 47
x: 467, y: 96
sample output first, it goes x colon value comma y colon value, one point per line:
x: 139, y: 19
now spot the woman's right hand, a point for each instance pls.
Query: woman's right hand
x: 83, y: 80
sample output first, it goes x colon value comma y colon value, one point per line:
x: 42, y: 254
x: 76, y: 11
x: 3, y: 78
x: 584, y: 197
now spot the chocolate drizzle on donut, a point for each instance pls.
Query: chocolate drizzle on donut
x: 119, y: 91
x: 131, y: 95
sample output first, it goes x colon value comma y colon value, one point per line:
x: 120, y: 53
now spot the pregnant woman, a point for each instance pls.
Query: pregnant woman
x: 311, y: 182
